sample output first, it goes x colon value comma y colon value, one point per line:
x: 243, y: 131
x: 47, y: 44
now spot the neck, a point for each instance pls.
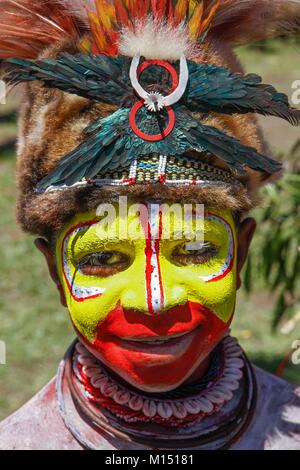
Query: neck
x: 196, y: 376
x: 199, y: 372
x: 223, y: 396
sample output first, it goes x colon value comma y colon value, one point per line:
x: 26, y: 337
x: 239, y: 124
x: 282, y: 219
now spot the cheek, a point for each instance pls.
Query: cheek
x: 219, y: 296
x: 87, y: 314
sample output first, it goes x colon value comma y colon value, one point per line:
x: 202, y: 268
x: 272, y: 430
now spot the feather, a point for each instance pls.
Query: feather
x: 29, y: 26
x: 105, y: 79
x: 217, y: 89
x: 109, y: 142
x: 94, y: 77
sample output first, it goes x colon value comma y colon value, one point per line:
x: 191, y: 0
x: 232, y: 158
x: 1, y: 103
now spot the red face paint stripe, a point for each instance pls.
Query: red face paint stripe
x: 149, y: 269
x: 157, y: 249
x: 230, y: 267
x: 228, y: 270
x: 70, y: 231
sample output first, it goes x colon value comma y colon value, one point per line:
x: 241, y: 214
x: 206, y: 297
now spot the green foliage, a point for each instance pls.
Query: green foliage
x: 275, y: 255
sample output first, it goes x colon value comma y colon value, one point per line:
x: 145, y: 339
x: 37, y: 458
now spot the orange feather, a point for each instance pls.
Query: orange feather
x: 106, y: 14
x: 29, y: 26
x: 181, y: 10
x: 122, y: 14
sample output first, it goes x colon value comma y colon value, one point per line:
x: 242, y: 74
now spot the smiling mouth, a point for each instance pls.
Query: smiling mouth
x: 158, y: 340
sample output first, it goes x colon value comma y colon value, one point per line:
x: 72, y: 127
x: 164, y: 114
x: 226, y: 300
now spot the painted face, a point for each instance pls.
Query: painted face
x: 149, y: 306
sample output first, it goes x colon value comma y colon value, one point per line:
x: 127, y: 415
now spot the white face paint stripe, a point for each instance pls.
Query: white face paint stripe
x: 154, y: 288
x: 79, y: 293
x: 227, y: 266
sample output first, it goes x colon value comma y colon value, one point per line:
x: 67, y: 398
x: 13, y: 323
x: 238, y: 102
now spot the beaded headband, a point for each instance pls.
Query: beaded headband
x: 156, y: 99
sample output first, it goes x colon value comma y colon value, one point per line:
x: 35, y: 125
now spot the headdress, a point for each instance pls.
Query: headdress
x: 142, y: 97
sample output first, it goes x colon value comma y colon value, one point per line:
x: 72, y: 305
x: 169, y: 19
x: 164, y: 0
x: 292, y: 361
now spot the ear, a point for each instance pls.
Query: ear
x: 44, y: 247
x: 245, y: 235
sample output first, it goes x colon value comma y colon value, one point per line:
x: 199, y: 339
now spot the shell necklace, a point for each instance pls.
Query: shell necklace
x: 133, y: 407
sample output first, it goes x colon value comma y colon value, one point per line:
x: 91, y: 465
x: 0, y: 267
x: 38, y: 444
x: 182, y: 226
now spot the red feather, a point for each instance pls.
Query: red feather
x: 122, y: 14
x: 29, y: 26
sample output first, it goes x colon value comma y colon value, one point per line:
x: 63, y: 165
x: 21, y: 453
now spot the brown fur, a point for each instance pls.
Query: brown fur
x: 51, y: 125
x: 51, y: 122
x: 46, y: 214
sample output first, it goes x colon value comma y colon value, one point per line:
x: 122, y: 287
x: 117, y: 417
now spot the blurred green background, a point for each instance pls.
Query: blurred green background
x: 36, y: 329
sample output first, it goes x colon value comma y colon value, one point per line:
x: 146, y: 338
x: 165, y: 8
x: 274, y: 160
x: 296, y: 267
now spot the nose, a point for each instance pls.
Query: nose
x: 153, y: 296
x: 135, y: 299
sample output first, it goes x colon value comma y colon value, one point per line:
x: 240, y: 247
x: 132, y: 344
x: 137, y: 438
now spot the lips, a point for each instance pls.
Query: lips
x: 168, y: 346
x: 126, y: 344
x: 133, y: 325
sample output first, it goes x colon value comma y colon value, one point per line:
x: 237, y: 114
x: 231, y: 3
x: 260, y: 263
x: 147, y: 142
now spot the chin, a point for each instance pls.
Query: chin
x: 158, y: 354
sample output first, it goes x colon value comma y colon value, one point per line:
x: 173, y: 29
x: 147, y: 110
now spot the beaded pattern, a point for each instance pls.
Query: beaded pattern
x: 134, y: 407
x: 161, y: 169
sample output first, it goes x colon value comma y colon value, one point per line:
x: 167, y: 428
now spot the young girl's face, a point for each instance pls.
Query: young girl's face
x: 151, y: 307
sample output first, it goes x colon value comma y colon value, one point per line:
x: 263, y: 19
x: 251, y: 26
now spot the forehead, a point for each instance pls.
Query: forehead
x: 146, y: 219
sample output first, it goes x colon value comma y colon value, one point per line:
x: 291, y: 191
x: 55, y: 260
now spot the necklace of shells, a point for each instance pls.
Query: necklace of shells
x: 133, y: 407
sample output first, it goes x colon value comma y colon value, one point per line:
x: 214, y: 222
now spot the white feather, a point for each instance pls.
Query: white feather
x: 156, y: 40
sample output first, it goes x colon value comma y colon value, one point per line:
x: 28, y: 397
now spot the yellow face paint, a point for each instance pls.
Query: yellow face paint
x: 153, y: 276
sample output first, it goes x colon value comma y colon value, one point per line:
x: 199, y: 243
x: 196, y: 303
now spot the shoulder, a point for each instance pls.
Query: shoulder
x: 276, y: 421
x: 37, y: 425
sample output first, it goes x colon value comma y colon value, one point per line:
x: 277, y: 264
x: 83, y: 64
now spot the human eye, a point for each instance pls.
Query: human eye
x: 184, y: 256
x: 103, y: 264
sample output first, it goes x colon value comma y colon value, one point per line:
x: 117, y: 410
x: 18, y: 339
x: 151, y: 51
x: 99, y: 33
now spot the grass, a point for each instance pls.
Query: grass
x: 277, y: 64
x: 33, y: 325
x: 36, y: 329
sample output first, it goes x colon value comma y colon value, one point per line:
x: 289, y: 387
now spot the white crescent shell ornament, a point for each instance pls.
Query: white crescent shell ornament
x: 155, y: 101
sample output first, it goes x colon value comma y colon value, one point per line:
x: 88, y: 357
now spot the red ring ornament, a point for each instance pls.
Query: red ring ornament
x: 164, y: 65
x: 156, y: 137
x: 140, y: 103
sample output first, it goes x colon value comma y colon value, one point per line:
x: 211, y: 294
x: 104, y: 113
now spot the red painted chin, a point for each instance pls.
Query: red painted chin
x: 194, y: 330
